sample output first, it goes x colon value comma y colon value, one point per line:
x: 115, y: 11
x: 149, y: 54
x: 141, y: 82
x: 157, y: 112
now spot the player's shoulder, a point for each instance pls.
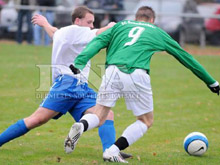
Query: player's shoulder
x: 64, y: 33
x: 120, y: 25
x: 74, y: 28
x: 136, y: 23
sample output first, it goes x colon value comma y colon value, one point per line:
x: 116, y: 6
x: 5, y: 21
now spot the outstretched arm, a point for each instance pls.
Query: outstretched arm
x: 173, y: 48
x: 42, y: 21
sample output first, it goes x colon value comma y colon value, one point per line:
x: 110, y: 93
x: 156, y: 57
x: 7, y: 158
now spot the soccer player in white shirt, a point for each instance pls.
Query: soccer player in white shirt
x: 68, y: 92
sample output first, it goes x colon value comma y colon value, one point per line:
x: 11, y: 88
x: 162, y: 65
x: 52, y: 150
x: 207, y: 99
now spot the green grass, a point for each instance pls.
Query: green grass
x: 182, y: 104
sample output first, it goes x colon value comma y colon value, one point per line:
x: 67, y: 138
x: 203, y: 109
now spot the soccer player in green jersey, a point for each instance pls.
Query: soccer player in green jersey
x: 130, y: 46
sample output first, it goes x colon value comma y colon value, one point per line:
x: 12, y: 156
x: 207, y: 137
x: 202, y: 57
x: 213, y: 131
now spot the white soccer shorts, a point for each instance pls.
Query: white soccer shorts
x: 135, y: 88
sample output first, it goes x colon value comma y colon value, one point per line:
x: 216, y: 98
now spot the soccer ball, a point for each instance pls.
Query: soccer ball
x: 195, y: 144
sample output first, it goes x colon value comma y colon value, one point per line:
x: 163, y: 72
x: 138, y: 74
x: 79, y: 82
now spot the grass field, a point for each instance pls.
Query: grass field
x: 182, y: 104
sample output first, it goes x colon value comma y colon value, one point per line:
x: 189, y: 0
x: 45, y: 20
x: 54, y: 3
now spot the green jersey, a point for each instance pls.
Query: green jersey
x: 131, y: 44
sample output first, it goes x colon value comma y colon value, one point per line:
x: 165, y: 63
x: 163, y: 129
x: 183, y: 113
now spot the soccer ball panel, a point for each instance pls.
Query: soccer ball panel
x: 195, y: 143
x: 197, y: 147
x: 193, y: 134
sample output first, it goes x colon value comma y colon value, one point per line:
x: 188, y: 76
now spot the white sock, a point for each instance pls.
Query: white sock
x: 135, y: 131
x: 114, y: 150
x: 92, y: 120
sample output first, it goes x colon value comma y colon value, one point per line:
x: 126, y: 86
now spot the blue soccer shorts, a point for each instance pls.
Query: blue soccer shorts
x: 69, y: 95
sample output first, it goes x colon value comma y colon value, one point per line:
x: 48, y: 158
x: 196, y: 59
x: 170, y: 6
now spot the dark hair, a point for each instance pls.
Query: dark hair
x: 80, y: 12
x: 145, y: 13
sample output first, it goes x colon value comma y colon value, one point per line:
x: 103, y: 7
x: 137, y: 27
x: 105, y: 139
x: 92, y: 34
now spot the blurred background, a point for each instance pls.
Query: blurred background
x: 187, y: 21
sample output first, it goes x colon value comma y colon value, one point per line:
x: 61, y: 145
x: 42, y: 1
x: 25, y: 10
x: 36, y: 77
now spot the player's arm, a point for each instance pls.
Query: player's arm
x: 42, y: 21
x: 173, y: 48
x: 111, y: 24
x: 98, y: 43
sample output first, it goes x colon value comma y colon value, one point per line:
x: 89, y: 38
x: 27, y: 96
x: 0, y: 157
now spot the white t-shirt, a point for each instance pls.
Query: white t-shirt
x: 68, y: 42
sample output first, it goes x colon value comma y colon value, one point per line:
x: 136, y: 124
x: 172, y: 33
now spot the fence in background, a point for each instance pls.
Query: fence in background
x: 68, y: 10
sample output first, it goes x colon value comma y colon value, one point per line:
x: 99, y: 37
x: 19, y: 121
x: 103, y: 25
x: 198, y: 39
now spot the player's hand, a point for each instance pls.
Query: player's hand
x: 39, y: 20
x: 214, y: 87
x: 74, y: 69
x: 111, y: 24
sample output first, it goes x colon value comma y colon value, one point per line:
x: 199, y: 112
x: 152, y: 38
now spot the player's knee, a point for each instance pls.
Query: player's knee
x: 149, y: 122
x: 110, y: 115
x: 147, y: 119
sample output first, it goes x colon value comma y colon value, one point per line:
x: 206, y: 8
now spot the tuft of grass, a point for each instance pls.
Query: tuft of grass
x: 182, y: 104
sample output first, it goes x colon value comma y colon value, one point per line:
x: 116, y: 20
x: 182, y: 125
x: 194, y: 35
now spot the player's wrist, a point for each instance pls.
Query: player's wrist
x: 46, y: 25
x: 111, y: 24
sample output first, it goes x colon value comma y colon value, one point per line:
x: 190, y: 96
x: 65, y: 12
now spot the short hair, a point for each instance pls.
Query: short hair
x: 145, y: 13
x: 80, y: 12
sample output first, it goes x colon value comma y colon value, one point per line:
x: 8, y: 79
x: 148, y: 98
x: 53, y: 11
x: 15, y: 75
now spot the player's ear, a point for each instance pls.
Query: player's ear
x: 77, y: 21
x: 152, y: 20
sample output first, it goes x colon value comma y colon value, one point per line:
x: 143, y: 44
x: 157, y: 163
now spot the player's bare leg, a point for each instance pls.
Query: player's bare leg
x: 21, y: 127
x: 147, y: 119
x: 76, y: 130
x: 130, y: 135
x: 39, y: 117
x: 101, y: 112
